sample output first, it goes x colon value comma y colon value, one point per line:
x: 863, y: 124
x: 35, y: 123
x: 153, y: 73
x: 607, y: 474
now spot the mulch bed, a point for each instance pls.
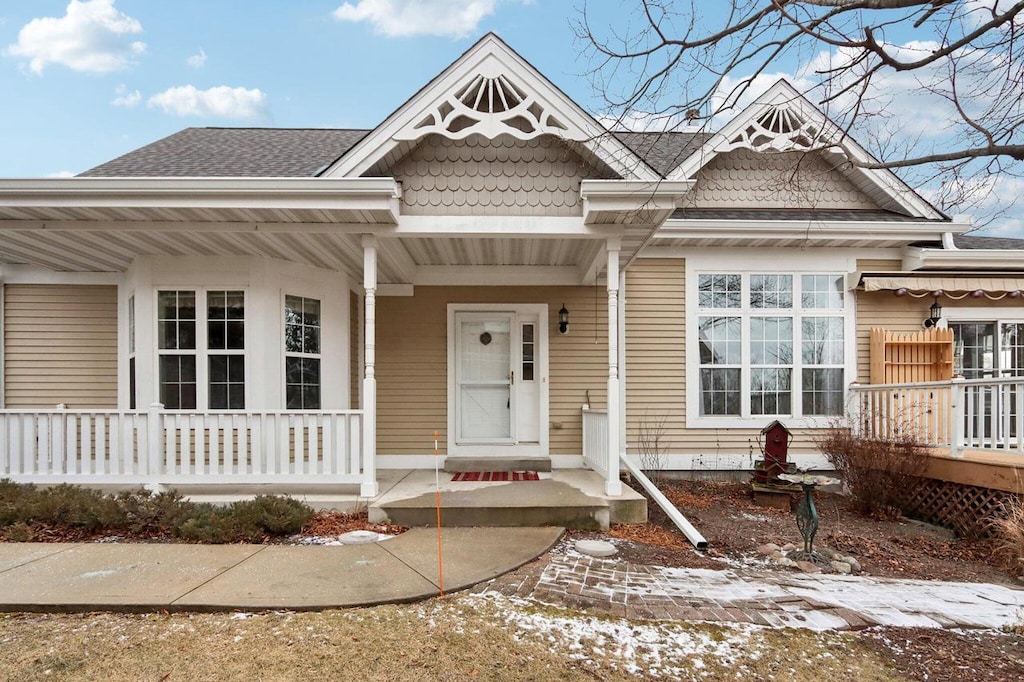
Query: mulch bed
x: 724, y: 512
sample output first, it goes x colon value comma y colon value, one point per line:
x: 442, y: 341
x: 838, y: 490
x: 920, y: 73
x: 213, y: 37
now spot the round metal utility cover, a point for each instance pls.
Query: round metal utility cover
x: 358, y: 537
x: 598, y: 548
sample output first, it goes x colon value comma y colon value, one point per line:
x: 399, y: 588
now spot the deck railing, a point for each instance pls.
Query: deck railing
x: 595, y: 440
x: 975, y: 414
x: 161, y: 447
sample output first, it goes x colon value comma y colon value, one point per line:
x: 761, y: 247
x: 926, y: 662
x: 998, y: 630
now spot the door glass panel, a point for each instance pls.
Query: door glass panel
x: 975, y: 348
x: 484, y: 350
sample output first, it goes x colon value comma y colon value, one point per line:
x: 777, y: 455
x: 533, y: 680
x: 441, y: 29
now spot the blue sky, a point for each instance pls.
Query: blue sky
x: 84, y: 81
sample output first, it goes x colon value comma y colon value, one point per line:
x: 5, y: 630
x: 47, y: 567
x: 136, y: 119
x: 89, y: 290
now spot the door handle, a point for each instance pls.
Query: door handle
x: 512, y: 378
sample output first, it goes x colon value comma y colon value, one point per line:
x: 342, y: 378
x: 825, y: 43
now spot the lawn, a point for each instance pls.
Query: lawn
x: 463, y: 637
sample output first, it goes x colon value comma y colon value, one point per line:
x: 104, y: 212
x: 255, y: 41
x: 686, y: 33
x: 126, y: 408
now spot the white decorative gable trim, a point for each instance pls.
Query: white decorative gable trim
x: 490, y: 90
x: 780, y: 129
x: 490, y: 104
x: 782, y: 120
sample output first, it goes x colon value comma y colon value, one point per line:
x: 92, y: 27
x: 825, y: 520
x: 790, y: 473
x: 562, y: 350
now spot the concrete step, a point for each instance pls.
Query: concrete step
x: 571, y: 500
x: 454, y: 464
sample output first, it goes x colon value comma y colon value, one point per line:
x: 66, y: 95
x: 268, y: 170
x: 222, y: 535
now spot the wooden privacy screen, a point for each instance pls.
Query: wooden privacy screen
x: 899, y: 358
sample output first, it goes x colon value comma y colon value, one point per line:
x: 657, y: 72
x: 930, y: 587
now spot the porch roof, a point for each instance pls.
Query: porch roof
x: 100, y: 224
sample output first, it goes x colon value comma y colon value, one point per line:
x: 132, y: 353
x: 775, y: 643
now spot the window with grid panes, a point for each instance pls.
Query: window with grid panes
x: 770, y: 344
x: 302, y: 353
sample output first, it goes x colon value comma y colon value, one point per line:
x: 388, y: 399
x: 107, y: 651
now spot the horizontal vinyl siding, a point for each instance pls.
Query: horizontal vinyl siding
x: 60, y: 346
x: 655, y: 350
x: 412, y: 362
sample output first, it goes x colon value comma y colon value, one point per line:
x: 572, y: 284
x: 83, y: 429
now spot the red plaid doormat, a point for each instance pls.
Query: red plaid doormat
x: 495, y: 476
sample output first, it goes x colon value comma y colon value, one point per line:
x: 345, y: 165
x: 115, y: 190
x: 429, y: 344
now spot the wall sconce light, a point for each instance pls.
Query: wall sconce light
x: 563, y: 320
x: 934, y: 315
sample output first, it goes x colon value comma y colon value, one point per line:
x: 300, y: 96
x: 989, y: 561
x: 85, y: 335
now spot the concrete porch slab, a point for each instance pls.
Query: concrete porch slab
x: 565, y: 497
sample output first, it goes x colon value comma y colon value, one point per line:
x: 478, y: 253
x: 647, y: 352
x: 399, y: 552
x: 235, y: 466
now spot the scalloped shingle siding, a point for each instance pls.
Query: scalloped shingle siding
x: 784, y: 180
x: 504, y: 176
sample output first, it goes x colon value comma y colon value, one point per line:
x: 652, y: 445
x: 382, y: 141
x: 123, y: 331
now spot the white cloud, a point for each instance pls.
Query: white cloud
x: 218, y: 102
x: 61, y: 174
x: 198, y: 60
x: 404, y: 18
x: 125, y: 98
x: 92, y: 37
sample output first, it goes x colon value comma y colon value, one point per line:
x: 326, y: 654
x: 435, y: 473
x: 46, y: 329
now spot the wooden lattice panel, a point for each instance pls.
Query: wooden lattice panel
x: 967, y: 509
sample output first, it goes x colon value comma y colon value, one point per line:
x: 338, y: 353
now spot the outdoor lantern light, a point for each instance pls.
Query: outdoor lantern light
x: 563, y: 320
x: 934, y: 314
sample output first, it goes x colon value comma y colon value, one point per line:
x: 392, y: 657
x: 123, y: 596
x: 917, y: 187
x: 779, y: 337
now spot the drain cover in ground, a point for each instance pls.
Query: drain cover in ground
x: 358, y: 537
x: 595, y: 547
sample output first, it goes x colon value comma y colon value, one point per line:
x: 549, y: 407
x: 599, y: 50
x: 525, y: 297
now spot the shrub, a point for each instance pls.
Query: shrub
x: 69, y: 505
x: 149, y: 514
x: 273, y: 514
x: 13, y: 498
x: 245, y: 521
x: 877, y: 473
x: 24, y: 510
x: 1008, y: 530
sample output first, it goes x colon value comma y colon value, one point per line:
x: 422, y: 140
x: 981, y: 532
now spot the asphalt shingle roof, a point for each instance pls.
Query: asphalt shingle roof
x: 305, y: 152
x: 979, y: 242
x: 234, y: 152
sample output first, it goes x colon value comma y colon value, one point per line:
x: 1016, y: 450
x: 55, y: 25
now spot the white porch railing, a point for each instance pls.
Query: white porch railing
x: 162, y: 447
x: 976, y: 414
x: 595, y: 440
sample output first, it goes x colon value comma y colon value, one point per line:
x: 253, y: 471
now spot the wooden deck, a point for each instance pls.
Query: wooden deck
x: 981, y: 468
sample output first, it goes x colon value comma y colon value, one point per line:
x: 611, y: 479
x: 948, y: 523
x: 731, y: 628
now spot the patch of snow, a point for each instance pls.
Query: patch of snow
x: 655, y: 649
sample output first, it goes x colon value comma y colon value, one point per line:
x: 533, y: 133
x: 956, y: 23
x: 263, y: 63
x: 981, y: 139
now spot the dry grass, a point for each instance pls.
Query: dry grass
x: 461, y: 638
x: 1008, y: 531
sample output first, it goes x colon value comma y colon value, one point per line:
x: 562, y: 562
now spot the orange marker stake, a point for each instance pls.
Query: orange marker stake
x: 437, y: 498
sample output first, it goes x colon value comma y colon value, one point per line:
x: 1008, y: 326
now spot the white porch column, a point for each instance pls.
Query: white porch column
x: 368, y: 488
x: 613, y: 486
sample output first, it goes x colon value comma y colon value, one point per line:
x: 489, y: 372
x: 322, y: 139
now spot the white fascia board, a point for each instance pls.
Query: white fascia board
x: 582, y: 126
x: 916, y: 258
x: 868, y: 230
x: 526, y: 227
x: 834, y: 139
x: 296, y: 193
x: 619, y: 196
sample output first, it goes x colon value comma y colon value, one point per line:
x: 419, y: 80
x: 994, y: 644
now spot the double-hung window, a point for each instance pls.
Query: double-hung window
x: 302, y: 353
x: 770, y: 344
x: 201, y: 349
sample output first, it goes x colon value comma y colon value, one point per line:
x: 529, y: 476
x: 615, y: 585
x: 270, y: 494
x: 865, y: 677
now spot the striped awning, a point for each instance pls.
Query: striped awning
x: 991, y: 285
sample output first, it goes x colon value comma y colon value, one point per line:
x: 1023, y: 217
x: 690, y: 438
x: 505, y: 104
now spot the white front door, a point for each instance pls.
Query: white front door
x: 497, y: 379
x: 484, y: 377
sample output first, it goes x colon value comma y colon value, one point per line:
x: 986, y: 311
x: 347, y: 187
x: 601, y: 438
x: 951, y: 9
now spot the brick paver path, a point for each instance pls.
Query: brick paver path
x: 780, y: 599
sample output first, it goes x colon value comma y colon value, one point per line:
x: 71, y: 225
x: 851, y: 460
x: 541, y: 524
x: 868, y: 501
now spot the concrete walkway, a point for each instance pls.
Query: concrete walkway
x: 150, y: 577
x: 770, y: 598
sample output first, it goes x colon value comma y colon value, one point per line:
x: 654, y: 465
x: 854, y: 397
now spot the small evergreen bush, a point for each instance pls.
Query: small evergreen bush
x: 140, y: 513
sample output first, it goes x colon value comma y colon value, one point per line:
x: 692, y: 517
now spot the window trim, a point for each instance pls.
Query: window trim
x: 202, y: 350
x: 983, y: 315
x: 805, y: 264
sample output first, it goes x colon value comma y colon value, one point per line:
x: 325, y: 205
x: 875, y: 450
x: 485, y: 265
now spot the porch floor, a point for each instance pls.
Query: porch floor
x: 564, y: 497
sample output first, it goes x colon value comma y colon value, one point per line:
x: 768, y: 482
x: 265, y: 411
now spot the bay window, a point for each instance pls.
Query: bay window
x: 770, y: 344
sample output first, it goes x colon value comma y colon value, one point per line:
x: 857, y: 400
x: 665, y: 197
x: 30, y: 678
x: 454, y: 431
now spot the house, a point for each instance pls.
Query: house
x: 313, y: 305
